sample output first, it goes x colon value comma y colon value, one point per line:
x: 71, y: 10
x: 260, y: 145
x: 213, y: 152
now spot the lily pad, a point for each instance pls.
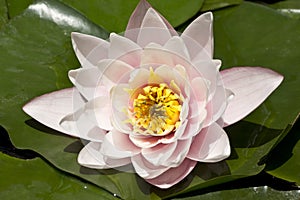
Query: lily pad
x: 289, y: 7
x: 283, y: 162
x: 114, y: 14
x: 217, y: 4
x: 262, y: 192
x: 36, y: 54
x: 34, y: 179
x: 16, y: 7
x: 3, y: 13
x: 255, y: 35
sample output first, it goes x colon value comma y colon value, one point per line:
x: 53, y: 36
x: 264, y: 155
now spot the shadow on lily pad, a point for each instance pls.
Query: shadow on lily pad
x: 41, y: 127
x: 8, y: 148
x: 247, y: 135
x: 284, y: 150
x: 74, y: 147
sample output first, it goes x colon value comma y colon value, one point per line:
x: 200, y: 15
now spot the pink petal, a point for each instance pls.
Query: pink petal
x: 49, y: 109
x: 169, y: 74
x: 117, y: 145
x: 120, y: 102
x: 91, y: 157
x: 200, y: 89
x: 173, y: 175
x: 179, y: 154
x: 145, y: 169
x: 209, y: 70
x: 159, y: 154
x: 151, y: 141
x: 95, y: 115
x: 153, y: 29
x: 86, y: 81
x: 112, y: 72
x: 218, y: 104
x: 144, y: 141
x: 136, y: 19
x: 210, y: 145
x: 176, y: 45
x: 198, y: 36
x: 155, y: 55
x: 89, y: 49
x: 251, y: 86
x: 124, y: 49
x: 178, y: 133
x: 194, y: 125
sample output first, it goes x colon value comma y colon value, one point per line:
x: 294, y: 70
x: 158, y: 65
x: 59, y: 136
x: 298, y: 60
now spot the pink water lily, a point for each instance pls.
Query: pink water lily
x: 153, y: 98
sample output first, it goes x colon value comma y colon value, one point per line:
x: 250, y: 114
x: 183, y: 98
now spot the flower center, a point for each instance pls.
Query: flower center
x: 155, y: 110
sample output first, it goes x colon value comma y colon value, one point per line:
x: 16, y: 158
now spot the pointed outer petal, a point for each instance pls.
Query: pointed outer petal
x: 145, y: 169
x: 136, y: 19
x: 124, y: 49
x: 251, y: 86
x: 112, y: 72
x: 179, y: 154
x: 176, y: 45
x: 50, y: 108
x: 200, y: 34
x: 173, y: 175
x: 86, y: 81
x: 85, y: 48
x: 91, y: 157
x: 120, y: 102
x: 210, y: 145
x: 117, y: 145
x: 217, y: 106
x: 95, y: 115
x: 153, y: 29
x: 159, y: 154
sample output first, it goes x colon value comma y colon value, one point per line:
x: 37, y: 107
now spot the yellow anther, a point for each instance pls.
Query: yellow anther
x: 155, y: 110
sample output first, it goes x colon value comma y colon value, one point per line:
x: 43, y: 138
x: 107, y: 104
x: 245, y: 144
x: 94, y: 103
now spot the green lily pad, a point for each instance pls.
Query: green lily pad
x: 289, y: 7
x: 3, y: 13
x: 283, y: 162
x: 262, y: 192
x: 263, y: 37
x: 34, y: 179
x: 107, y: 12
x: 217, y: 4
x: 36, y: 54
x: 114, y: 14
x: 16, y: 7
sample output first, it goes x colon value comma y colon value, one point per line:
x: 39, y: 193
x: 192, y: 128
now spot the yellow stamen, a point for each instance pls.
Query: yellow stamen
x: 155, y: 110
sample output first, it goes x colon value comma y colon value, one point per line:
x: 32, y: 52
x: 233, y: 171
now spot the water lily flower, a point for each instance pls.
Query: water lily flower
x: 153, y: 98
